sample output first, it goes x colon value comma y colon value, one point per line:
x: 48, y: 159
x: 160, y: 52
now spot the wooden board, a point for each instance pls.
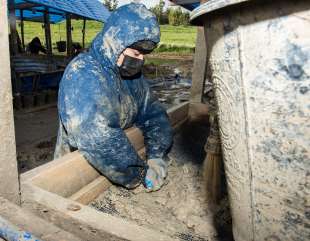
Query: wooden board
x: 83, y: 221
x: 91, y: 191
x: 200, y: 66
x: 198, y: 112
x: 71, y: 173
x: 27, y: 221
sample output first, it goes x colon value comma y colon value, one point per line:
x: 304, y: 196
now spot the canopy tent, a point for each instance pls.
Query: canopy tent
x: 188, y: 4
x: 33, y: 10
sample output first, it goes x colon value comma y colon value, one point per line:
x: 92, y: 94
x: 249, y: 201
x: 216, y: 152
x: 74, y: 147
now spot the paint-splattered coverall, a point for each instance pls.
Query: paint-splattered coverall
x: 95, y: 105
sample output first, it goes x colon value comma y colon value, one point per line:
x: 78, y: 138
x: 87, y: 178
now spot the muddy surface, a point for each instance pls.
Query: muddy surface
x: 35, y: 137
x: 36, y: 154
x: 180, y: 208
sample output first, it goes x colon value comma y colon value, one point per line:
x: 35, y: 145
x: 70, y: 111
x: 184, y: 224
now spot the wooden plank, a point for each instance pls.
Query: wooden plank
x: 199, y: 112
x: 178, y: 113
x: 73, y: 172
x: 69, y: 35
x: 200, y: 66
x: 47, y: 28
x: 12, y: 22
x: 136, y: 137
x: 83, y: 221
x: 9, y: 183
x: 25, y: 5
x: 22, y: 29
x: 84, y: 32
x: 96, y: 187
x: 91, y: 191
x: 27, y: 221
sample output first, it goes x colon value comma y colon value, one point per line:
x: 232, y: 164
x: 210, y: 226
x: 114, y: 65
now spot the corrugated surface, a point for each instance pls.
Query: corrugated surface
x: 92, y: 9
x: 211, y: 6
x: 259, y: 61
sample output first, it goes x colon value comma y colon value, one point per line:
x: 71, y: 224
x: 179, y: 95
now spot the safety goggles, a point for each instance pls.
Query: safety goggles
x: 144, y: 47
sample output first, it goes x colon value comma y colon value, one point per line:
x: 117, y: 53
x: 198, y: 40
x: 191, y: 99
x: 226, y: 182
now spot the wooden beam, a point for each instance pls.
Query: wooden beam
x: 69, y: 35
x: 47, y: 28
x: 73, y: 172
x: 84, y: 32
x: 91, y: 191
x: 12, y: 22
x: 27, y: 221
x: 22, y: 28
x: 9, y: 182
x: 26, y: 5
x: 83, y: 221
x: 199, y: 112
x: 200, y: 67
x: 200, y: 64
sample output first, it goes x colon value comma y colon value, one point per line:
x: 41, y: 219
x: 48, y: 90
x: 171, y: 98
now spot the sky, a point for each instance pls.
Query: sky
x: 148, y: 3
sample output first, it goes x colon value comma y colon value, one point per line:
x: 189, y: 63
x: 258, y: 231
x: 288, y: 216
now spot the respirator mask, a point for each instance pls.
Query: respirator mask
x: 131, y: 66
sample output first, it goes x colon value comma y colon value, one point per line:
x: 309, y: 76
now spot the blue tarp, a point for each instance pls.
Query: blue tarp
x: 191, y: 6
x: 187, y: 4
x: 90, y: 9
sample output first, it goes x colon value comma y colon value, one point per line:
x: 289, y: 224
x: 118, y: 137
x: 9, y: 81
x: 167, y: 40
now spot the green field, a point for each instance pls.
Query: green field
x: 176, y: 39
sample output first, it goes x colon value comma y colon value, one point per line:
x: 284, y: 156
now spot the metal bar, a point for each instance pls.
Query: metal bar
x: 9, y: 182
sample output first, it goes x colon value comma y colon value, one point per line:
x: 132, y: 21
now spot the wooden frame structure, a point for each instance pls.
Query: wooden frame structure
x: 46, y: 20
x: 63, y: 200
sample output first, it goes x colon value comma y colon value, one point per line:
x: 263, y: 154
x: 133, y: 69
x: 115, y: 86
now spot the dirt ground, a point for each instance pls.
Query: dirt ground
x: 180, y: 208
x: 36, y: 134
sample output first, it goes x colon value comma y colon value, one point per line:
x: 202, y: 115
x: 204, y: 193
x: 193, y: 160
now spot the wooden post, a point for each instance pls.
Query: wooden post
x: 200, y: 66
x: 22, y: 28
x: 12, y: 21
x: 84, y: 29
x: 9, y: 183
x: 69, y: 35
x: 198, y: 110
x: 47, y: 28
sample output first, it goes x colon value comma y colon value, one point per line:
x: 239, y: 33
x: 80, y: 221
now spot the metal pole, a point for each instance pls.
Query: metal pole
x: 9, y: 183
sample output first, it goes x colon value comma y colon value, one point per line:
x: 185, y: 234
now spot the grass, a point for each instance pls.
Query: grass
x: 174, y: 39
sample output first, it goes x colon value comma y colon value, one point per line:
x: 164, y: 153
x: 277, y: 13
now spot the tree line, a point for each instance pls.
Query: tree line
x: 172, y: 16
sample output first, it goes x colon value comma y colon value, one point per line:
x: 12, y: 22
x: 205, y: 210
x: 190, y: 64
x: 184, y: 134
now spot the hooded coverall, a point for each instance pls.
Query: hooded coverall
x: 95, y: 104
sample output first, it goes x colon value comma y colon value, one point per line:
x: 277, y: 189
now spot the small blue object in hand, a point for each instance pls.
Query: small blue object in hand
x: 148, y: 183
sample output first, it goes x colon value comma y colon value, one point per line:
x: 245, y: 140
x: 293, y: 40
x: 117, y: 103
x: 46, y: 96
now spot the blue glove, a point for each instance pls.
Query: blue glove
x: 156, y: 174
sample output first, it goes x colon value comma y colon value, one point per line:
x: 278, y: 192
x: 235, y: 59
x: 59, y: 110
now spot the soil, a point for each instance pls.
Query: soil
x: 36, y: 134
x: 180, y: 208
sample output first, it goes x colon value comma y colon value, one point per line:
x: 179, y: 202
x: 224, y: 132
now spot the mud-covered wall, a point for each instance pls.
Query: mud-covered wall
x: 259, y: 61
x: 9, y: 187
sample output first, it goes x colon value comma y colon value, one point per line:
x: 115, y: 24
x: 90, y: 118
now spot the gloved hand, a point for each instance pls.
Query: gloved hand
x: 156, y: 174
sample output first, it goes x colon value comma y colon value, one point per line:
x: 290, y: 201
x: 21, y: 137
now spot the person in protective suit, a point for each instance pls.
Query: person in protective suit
x: 103, y: 92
